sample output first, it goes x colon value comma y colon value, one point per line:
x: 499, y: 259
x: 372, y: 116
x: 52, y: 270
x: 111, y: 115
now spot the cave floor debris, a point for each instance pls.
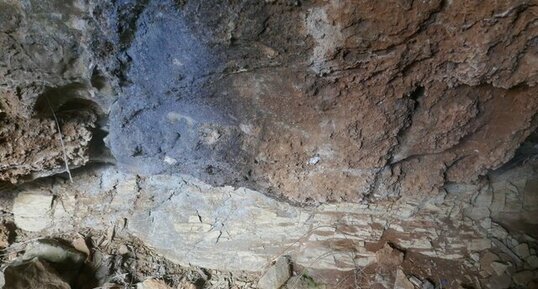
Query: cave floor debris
x: 207, y: 237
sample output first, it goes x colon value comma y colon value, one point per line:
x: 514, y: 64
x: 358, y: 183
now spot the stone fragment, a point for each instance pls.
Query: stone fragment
x: 484, y: 198
x: 477, y: 213
x: 479, y: 244
x: 53, y: 251
x: 152, y: 284
x: 276, y: 275
x: 499, y: 268
x: 415, y: 281
x: 80, y: 245
x: 497, y: 231
x: 170, y: 161
x: 522, y: 250
x: 33, y: 273
x: 363, y: 261
x: 511, y: 241
x: 523, y: 278
x: 389, y: 256
x: 32, y: 211
x: 475, y: 257
x: 485, y: 223
x: 123, y: 249
x: 532, y: 261
x: 401, y: 281
x: 416, y: 243
x: 507, y: 251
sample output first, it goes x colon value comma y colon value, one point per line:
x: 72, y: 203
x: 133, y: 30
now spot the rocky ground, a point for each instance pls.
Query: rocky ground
x: 481, y: 236
x: 103, y: 261
x: 260, y: 144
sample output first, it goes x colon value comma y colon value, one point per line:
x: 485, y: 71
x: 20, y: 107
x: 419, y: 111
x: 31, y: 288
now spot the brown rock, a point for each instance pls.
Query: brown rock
x: 389, y: 256
x: 486, y: 259
x: 33, y: 274
x: 401, y: 281
x: 499, y: 282
x: 368, y: 100
x: 33, y: 148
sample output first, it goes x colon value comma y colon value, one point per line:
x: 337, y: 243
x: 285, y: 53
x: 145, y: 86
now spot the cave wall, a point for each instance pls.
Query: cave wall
x: 311, y: 101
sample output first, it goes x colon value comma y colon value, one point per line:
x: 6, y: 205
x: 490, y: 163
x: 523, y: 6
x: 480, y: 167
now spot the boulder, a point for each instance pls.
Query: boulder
x: 276, y: 275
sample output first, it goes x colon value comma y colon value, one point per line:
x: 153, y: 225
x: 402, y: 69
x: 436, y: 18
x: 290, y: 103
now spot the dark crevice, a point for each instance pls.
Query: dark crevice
x: 98, y: 80
x: 128, y: 16
x: 527, y: 152
x: 65, y: 99
x: 98, y: 151
x: 71, y: 102
x: 416, y: 94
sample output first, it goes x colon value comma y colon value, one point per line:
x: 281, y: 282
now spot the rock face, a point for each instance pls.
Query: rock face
x: 191, y: 222
x: 46, y: 116
x: 312, y: 101
x: 328, y: 101
x: 345, y: 134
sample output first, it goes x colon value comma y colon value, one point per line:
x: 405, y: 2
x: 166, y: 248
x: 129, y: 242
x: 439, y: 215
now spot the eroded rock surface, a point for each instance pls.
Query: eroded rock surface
x: 470, y: 229
x: 309, y: 100
x: 328, y: 101
x: 45, y: 88
x: 226, y: 118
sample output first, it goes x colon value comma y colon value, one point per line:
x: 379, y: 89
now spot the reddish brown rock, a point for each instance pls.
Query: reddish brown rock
x: 34, y: 147
x: 311, y: 101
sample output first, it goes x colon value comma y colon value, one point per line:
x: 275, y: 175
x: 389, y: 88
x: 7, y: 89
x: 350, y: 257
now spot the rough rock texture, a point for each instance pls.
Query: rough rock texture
x: 309, y: 100
x: 36, y: 147
x: 327, y: 101
x: 46, y: 78
x: 472, y: 233
x: 387, y: 116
